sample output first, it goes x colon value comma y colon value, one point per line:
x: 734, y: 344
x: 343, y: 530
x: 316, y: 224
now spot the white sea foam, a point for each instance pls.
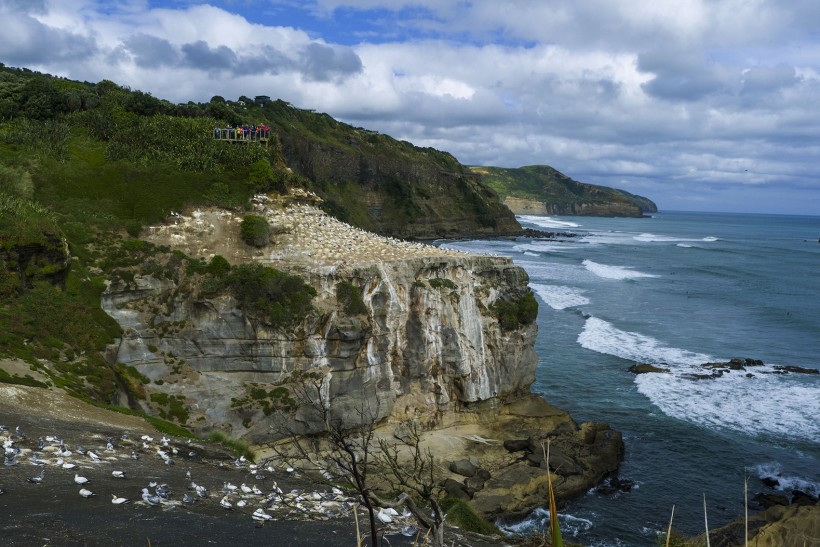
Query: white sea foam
x: 606, y: 271
x: 547, y: 222
x: 541, y: 247
x: 603, y: 337
x: 786, y: 483
x: 763, y: 404
x: 538, y: 520
x: 709, y: 239
x: 559, y: 297
x: 684, y: 245
x: 530, y: 253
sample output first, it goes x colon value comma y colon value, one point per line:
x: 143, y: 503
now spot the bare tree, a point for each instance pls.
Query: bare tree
x: 413, y: 472
x: 343, y: 448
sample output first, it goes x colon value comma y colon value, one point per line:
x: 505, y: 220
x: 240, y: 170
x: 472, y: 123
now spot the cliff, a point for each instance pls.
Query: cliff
x: 541, y: 190
x: 428, y: 346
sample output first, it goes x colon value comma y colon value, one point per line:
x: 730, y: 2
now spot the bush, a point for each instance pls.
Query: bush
x: 514, y: 314
x: 350, y: 297
x: 255, y: 230
x: 276, y: 297
x: 440, y: 282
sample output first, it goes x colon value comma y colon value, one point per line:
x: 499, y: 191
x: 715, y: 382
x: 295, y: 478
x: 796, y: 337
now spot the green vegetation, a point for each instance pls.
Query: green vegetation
x: 254, y: 230
x: 237, y: 447
x: 26, y: 380
x: 350, y: 297
x: 171, y: 406
x: 440, y: 282
x: 278, y: 398
x: 163, y: 426
x: 561, y: 194
x: 278, y: 298
x: 515, y: 313
x: 460, y: 513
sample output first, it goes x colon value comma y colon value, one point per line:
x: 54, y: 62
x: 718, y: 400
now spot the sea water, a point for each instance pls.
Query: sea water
x: 678, y: 290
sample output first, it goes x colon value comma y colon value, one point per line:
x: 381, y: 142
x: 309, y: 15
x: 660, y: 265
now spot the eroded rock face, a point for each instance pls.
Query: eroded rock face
x: 420, y: 352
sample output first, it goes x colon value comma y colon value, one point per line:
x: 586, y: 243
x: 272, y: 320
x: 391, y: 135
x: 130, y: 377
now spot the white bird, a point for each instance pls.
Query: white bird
x: 118, y: 501
x: 241, y: 503
x: 225, y: 503
x: 68, y: 465
x: 86, y: 493
x: 80, y: 480
x: 230, y: 487
x: 261, y: 515
x: 384, y: 517
x: 93, y: 455
x: 256, y: 490
x: 245, y: 488
x: 150, y: 499
x: 118, y: 474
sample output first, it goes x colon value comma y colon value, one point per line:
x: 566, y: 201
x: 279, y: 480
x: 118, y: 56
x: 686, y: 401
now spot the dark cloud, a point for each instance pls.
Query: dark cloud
x: 149, y: 51
x: 323, y: 63
x: 26, y: 41
x: 200, y: 55
x: 20, y: 6
x: 679, y: 76
x: 269, y: 60
x: 760, y: 80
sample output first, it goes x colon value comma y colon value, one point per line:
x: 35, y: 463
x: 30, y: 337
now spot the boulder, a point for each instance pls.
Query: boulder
x: 465, y: 468
x: 517, y: 445
x: 456, y: 489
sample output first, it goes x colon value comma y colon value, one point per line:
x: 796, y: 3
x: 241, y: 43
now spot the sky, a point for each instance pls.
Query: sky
x: 699, y: 105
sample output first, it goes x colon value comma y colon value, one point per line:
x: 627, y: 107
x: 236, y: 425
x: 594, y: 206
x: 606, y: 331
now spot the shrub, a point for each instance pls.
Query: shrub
x: 350, y: 297
x: 513, y: 314
x: 276, y: 297
x: 255, y: 230
x: 440, y: 282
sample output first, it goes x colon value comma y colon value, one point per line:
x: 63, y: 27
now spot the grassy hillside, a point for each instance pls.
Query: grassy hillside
x: 560, y: 194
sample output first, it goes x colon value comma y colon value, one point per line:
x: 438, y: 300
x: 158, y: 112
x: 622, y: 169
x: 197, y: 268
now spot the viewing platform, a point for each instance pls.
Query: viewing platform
x: 244, y: 135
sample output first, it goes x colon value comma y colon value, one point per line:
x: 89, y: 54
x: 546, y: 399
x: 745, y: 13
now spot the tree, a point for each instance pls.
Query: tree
x: 412, y: 468
x: 346, y: 449
x: 343, y: 451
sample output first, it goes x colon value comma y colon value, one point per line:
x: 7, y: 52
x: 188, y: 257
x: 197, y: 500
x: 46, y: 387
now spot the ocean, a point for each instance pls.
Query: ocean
x: 678, y: 290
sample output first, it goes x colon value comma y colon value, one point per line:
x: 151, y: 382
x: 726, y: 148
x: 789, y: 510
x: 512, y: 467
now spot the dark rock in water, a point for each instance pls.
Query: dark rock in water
x: 771, y: 482
x: 516, y: 445
x: 613, y: 485
x: 646, y: 368
x: 802, y: 498
x: 770, y: 500
x: 456, y: 489
x: 465, y: 468
x: 798, y: 370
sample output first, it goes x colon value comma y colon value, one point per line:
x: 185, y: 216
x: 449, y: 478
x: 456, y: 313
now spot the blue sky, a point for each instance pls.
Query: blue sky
x: 705, y: 105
